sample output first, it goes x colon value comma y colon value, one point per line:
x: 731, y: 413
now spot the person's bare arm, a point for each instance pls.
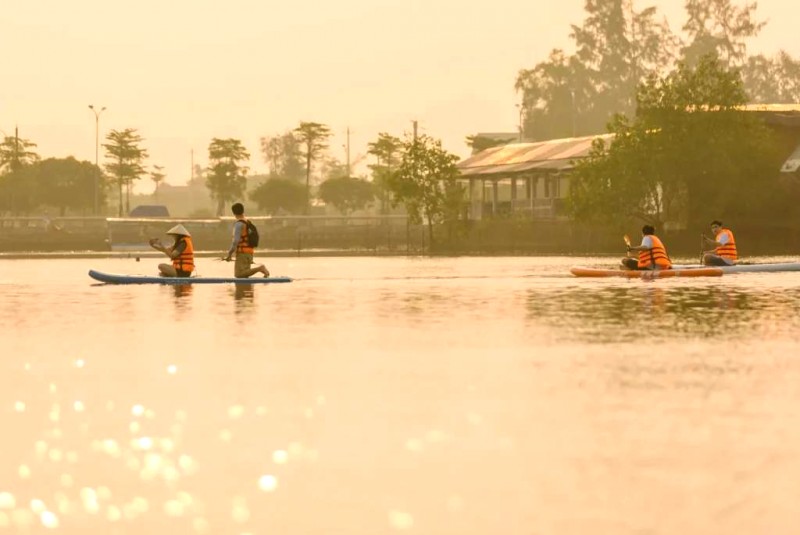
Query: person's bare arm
x: 237, y: 235
x: 156, y: 244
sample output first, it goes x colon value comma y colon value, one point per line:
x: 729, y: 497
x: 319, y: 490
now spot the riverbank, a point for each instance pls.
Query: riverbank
x: 369, y: 236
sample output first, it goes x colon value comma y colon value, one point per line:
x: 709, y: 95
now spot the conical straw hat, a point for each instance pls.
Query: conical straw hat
x: 179, y: 230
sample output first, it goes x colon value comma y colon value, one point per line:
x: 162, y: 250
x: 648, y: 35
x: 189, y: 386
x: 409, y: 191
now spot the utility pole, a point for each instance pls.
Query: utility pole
x: 415, y: 130
x: 191, y: 173
x: 97, y: 156
x: 349, y: 174
x: 16, y: 147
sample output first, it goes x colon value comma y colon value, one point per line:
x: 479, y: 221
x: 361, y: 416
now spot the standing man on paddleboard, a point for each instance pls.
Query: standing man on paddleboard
x: 242, y: 246
x: 652, y: 253
x: 724, y: 252
x: 181, y: 252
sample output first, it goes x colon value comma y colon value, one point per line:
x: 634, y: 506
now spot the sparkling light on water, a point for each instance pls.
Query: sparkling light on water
x: 24, y: 472
x: 400, y: 520
x: 142, y: 443
x: 7, y: 500
x: 268, y: 483
x: 49, y: 519
x: 174, y: 508
x: 113, y: 514
x: 240, y: 512
x: 89, y: 498
x: 414, y: 444
x: 38, y: 506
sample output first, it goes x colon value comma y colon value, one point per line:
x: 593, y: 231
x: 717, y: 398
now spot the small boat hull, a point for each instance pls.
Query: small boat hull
x: 646, y: 274
x: 775, y: 267
x: 110, y: 278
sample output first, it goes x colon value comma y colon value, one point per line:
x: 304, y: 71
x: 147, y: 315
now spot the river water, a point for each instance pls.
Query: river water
x: 398, y: 395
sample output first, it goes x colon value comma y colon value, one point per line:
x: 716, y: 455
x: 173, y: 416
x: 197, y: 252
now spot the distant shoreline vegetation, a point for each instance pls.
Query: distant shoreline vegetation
x: 365, y: 236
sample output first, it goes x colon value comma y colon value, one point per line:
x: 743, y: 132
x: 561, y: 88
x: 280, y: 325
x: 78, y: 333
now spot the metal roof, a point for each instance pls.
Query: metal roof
x: 552, y: 155
x: 560, y: 154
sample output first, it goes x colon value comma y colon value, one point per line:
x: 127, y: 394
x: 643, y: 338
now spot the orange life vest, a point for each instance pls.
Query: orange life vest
x: 242, y: 246
x: 729, y: 249
x: 185, y: 261
x: 657, y: 255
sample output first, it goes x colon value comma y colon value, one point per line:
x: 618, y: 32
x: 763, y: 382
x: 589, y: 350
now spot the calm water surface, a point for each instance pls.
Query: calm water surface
x: 374, y: 395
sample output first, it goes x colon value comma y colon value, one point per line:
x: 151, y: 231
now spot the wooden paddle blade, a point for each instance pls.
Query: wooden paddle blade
x: 627, y: 240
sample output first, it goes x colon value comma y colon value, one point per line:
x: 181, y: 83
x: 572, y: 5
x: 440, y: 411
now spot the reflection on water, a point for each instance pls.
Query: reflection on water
x: 614, y: 314
x: 409, y: 395
x: 182, y: 290
x: 243, y: 291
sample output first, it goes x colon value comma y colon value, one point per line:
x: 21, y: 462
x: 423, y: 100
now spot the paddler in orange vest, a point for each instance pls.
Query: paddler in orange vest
x: 652, y: 253
x: 181, y: 252
x: 724, y: 252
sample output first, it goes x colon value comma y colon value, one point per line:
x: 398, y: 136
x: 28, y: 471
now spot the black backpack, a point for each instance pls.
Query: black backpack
x: 252, y: 234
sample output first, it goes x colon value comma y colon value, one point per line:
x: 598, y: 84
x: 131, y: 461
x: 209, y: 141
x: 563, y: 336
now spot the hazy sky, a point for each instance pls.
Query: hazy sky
x: 184, y: 71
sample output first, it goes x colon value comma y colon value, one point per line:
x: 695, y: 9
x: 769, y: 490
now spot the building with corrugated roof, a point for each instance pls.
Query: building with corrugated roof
x: 532, y: 179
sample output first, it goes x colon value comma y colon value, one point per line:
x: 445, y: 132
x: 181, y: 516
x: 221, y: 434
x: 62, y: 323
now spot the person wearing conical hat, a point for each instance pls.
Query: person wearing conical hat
x: 181, y: 252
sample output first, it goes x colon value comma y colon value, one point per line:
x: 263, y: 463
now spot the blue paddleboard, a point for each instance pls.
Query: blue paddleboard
x: 111, y: 278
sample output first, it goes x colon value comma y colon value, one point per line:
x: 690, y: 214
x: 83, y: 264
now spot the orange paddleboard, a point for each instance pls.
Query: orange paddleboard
x: 648, y: 274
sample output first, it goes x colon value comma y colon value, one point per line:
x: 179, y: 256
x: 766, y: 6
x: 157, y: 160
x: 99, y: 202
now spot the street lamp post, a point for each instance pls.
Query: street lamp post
x: 96, y: 155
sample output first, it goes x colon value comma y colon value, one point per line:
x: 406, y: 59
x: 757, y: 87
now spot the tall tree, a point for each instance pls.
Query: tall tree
x: 127, y: 159
x: 278, y: 196
x: 283, y: 155
x: 387, y: 150
x: 227, y: 175
x: 15, y: 153
x: 347, y: 193
x: 198, y: 175
x: 772, y: 80
x: 718, y: 27
x: 157, y: 176
x: 616, y: 46
x: 313, y: 137
x: 423, y: 180
x: 688, y: 153
x: 66, y: 183
x: 17, y: 187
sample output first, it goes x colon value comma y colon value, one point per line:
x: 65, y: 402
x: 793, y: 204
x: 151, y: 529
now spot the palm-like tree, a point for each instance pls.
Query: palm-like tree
x: 314, y: 138
x: 227, y: 176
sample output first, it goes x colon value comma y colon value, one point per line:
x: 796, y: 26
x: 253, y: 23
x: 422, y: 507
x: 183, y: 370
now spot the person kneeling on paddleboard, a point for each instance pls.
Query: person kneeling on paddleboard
x: 724, y: 252
x: 243, y: 246
x: 181, y: 252
x: 652, y: 253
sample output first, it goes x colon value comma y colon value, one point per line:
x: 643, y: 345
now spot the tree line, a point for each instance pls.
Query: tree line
x: 617, y: 47
x: 414, y: 171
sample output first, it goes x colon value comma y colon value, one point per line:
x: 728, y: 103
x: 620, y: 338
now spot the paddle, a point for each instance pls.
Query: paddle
x: 702, y: 244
